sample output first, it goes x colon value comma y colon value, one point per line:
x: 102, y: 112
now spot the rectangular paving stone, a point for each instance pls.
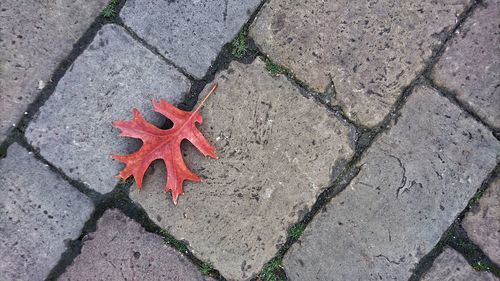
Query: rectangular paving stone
x: 482, y: 223
x: 189, y: 33
x: 120, y: 249
x: 451, y: 266
x: 39, y: 213
x: 115, y: 74
x: 369, y: 50
x: 35, y: 36
x: 470, y: 66
x: 413, y: 182
x: 277, y: 151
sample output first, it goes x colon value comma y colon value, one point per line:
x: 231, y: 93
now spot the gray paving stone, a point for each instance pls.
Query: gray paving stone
x: 470, y: 66
x: 189, y: 33
x: 413, y: 182
x: 35, y: 36
x: 482, y: 223
x: 370, y: 51
x: 277, y: 151
x: 120, y: 249
x: 73, y: 130
x: 39, y: 213
x: 451, y: 266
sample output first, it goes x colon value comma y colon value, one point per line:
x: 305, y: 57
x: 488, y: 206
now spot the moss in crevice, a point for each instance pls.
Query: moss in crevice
x: 273, y: 271
x: 239, y: 45
x: 475, y: 199
x: 296, y: 231
x: 206, y: 269
x: 276, y: 69
x: 457, y: 239
x: 181, y: 247
x: 481, y: 266
x: 110, y: 10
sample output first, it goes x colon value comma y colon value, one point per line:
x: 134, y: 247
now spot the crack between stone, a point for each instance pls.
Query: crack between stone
x: 403, y: 177
x: 224, y: 14
x: 154, y: 50
x: 452, y: 97
x: 387, y: 259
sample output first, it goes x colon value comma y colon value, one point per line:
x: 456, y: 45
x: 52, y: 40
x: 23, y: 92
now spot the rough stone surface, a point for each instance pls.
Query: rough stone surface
x: 413, y: 182
x: 115, y: 74
x: 451, y: 266
x: 277, y: 151
x: 39, y: 213
x: 482, y: 223
x: 189, y: 33
x: 35, y: 37
x: 470, y: 66
x: 369, y: 50
x: 121, y: 249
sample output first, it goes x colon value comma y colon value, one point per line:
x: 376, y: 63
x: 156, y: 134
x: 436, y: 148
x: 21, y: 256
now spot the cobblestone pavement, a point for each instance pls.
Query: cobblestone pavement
x: 357, y: 140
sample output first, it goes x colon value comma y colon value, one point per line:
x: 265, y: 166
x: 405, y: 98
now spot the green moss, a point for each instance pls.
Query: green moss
x: 275, y: 69
x: 480, y: 266
x: 206, y: 268
x: 457, y: 239
x: 296, y: 231
x: 476, y: 197
x: 272, y: 271
x: 110, y: 10
x: 174, y: 242
x: 239, y: 46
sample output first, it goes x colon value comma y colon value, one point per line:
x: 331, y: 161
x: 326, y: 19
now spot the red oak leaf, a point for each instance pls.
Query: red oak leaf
x: 164, y: 144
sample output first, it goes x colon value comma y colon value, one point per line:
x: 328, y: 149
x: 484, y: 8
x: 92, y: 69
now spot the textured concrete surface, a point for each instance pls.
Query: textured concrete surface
x: 277, y: 151
x: 120, y: 249
x: 482, y: 223
x: 39, y: 213
x: 115, y: 74
x: 413, y: 182
x: 470, y: 66
x: 35, y: 36
x: 189, y: 33
x: 451, y: 266
x: 370, y: 51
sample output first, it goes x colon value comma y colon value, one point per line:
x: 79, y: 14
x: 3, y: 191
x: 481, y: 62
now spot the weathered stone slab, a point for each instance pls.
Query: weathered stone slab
x: 35, y: 37
x: 413, y: 182
x: 370, y: 51
x: 451, y: 266
x: 277, y: 151
x: 115, y: 74
x: 482, y: 223
x: 470, y: 66
x: 189, y: 33
x: 121, y: 249
x: 39, y: 213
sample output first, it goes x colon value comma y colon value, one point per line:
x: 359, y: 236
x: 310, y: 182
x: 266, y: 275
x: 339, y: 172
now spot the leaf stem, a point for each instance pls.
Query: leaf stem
x: 214, y: 87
